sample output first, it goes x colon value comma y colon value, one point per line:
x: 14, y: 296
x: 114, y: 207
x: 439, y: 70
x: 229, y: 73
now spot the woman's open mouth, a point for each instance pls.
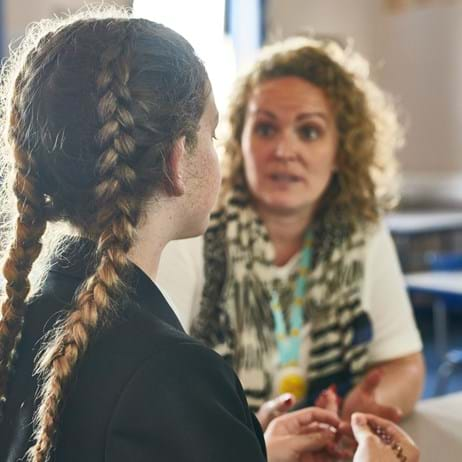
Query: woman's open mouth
x: 285, y: 178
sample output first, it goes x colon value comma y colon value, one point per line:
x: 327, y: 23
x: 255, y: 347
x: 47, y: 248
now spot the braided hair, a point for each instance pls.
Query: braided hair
x: 96, y: 107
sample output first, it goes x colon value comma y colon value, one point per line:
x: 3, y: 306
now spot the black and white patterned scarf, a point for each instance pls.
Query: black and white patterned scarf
x: 235, y: 317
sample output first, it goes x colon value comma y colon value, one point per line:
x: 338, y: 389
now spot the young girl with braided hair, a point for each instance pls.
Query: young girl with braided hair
x: 109, y: 125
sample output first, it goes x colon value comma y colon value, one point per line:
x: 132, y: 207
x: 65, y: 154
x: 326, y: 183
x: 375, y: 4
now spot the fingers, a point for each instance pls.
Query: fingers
x: 390, y: 434
x: 345, y: 443
x: 392, y: 413
x: 345, y: 429
x: 396, y: 432
x: 360, y: 427
x: 283, y: 402
x: 313, y: 441
x: 341, y: 452
x: 371, y: 380
x: 328, y: 400
x: 274, y: 408
x: 307, y: 416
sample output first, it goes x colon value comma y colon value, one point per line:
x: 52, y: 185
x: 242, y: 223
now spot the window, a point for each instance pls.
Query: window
x: 202, y: 23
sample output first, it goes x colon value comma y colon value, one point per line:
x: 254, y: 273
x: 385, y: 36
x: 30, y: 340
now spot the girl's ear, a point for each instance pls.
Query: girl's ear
x: 175, y: 185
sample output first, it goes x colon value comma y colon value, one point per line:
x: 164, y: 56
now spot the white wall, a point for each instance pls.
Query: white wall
x: 422, y: 51
x: 19, y: 13
x: 415, y: 55
x: 349, y: 18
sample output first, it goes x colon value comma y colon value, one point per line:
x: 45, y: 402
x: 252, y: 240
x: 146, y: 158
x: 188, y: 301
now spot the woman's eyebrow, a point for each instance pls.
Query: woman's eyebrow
x: 304, y: 115
x: 310, y: 115
x: 264, y: 112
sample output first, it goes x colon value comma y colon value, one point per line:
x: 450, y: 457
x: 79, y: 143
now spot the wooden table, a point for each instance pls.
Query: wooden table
x: 436, y: 427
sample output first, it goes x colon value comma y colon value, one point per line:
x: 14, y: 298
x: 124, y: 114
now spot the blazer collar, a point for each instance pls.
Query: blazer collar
x: 77, y: 261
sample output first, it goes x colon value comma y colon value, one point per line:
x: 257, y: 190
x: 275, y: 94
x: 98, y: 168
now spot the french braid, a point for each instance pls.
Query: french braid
x: 117, y: 217
x: 29, y: 227
x: 86, y: 92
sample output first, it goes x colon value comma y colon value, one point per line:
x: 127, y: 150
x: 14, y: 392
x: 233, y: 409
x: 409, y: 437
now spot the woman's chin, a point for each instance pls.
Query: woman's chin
x: 285, y: 207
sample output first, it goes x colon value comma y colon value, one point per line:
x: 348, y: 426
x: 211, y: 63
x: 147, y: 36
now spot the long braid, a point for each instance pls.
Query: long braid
x: 118, y: 216
x: 29, y: 228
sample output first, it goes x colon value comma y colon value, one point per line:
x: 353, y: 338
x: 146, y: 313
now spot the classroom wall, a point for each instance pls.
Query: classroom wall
x: 415, y: 55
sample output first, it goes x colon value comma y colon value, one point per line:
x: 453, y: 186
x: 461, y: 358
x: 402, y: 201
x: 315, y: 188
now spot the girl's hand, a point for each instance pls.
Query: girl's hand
x: 302, y: 436
x: 393, y: 446
x: 274, y: 408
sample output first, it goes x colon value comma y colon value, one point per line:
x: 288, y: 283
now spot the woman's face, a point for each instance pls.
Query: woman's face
x: 289, y: 144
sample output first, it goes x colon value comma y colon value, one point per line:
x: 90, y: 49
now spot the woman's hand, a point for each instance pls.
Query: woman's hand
x: 274, y: 408
x: 371, y: 448
x: 302, y: 436
x: 362, y: 399
x: 345, y: 443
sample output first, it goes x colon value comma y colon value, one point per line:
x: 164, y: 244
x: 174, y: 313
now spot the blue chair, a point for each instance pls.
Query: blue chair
x: 452, y: 361
x: 444, y: 261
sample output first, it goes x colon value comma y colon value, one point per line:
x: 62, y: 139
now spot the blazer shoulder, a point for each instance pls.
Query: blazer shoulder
x: 183, y: 403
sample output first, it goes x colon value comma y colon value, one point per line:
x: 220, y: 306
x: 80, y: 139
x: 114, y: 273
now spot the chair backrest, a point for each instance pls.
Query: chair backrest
x: 446, y: 261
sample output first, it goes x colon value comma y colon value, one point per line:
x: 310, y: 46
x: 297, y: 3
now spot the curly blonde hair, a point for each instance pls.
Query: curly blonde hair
x: 364, y: 185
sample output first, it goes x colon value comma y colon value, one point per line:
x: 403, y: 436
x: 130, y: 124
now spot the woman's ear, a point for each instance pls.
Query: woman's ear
x: 175, y: 185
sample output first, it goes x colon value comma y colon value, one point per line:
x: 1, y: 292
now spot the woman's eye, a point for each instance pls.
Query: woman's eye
x: 264, y: 129
x: 309, y: 132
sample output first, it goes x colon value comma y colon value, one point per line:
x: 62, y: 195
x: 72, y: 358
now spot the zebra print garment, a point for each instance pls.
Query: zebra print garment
x: 235, y: 318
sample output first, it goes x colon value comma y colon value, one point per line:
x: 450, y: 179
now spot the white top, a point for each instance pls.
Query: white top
x: 384, y: 293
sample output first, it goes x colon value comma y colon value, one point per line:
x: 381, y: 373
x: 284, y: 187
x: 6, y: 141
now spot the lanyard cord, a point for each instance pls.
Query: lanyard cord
x: 288, y: 341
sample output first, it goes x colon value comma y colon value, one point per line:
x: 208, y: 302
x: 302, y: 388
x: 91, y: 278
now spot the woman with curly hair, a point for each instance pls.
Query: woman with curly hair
x: 297, y: 282
x: 109, y: 124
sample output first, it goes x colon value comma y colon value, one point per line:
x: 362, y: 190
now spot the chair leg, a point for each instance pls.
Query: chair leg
x: 451, y: 364
x: 442, y: 378
x: 440, y: 327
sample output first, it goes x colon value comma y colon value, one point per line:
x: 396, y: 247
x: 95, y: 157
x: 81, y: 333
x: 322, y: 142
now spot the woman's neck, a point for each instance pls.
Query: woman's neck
x: 286, y: 232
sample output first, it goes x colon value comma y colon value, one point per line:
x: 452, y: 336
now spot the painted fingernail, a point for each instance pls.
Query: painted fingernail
x: 287, y: 398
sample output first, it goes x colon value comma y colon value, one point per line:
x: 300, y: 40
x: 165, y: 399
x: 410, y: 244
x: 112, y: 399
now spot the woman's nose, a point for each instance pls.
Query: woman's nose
x: 285, y: 148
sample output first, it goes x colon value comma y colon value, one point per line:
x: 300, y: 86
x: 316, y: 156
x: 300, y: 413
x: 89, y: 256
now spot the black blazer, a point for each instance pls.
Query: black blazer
x: 144, y: 391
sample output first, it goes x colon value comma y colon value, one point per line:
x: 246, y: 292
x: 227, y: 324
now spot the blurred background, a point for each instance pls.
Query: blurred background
x: 414, y: 50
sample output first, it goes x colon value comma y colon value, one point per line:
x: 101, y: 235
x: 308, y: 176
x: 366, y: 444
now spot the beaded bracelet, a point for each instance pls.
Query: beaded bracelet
x: 388, y: 440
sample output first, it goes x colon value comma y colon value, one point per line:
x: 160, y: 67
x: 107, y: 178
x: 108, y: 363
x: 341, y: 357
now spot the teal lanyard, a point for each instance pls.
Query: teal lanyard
x: 288, y: 343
